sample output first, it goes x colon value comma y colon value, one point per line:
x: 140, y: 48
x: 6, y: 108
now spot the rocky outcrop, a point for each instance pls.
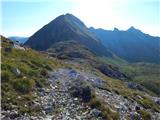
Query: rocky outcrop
x: 135, y: 86
x: 112, y: 72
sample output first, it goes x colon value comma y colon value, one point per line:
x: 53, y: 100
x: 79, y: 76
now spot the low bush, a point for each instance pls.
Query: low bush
x: 48, y: 67
x: 5, y: 76
x: 144, y: 114
x: 23, y: 85
x: 95, y: 103
x: 107, y: 114
x: 44, y: 72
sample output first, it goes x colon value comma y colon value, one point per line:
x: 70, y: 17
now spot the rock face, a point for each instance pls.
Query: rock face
x: 111, y: 72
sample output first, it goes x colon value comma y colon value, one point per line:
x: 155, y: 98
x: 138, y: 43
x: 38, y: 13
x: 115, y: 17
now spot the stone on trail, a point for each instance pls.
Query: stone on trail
x: 16, y: 71
x: 96, y: 112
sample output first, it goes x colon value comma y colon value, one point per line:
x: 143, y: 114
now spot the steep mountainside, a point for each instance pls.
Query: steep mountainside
x: 63, y: 28
x: 131, y: 45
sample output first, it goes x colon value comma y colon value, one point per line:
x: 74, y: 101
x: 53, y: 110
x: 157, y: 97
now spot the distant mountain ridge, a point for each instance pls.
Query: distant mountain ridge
x: 19, y: 39
x: 64, y: 28
x: 132, y: 45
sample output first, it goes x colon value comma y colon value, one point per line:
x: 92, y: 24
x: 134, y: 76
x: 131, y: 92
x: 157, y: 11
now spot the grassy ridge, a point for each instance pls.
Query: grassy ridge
x: 18, y: 91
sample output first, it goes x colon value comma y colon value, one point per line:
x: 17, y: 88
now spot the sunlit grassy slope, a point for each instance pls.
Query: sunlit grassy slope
x: 20, y: 89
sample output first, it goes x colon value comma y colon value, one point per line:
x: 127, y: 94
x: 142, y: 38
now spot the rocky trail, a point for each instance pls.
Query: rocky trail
x: 58, y: 103
x: 65, y: 106
x: 73, y: 108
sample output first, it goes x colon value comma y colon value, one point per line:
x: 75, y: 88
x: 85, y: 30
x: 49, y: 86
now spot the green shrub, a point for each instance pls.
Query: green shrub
x: 145, y: 115
x: 24, y: 110
x: 32, y: 72
x: 5, y: 87
x: 5, y: 66
x: 149, y: 104
x: 95, y: 103
x: 115, y: 115
x: 48, y: 67
x: 5, y: 76
x: 41, y: 82
x: 107, y: 114
x: 23, y: 85
x: 37, y: 63
x: 8, y: 49
x: 44, y: 72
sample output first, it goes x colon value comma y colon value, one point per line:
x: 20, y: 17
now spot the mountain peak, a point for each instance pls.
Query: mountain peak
x: 132, y: 29
x: 69, y: 18
x: 69, y: 14
x: 63, y: 28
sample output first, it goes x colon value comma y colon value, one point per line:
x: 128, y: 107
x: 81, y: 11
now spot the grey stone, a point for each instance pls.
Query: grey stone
x: 17, y: 46
x: 135, y: 86
x: 96, y: 112
x: 14, y: 114
x: 48, y: 109
x: 16, y: 71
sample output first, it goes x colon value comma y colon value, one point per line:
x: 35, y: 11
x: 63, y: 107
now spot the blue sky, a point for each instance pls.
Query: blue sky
x: 24, y: 17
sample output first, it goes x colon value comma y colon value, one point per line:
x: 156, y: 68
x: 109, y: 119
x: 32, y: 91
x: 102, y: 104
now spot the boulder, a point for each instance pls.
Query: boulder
x: 14, y: 115
x: 135, y: 86
x: 158, y: 101
x: 72, y: 73
x: 48, y: 109
x: 17, y: 46
x: 96, y: 112
x: 97, y: 82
